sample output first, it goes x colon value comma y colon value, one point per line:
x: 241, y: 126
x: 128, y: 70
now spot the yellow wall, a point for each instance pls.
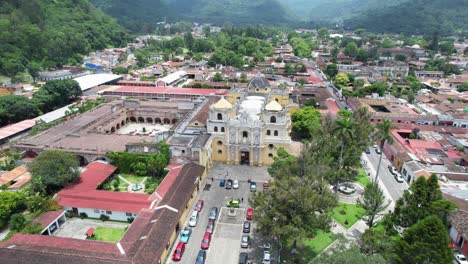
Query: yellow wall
x: 166, y: 251
x: 282, y: 99
x: 232, y: 97
x: 214, y: 150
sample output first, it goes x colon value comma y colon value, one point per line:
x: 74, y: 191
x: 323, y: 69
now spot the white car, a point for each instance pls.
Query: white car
x: 398, y: 177
x: 193, y: 219
x: 266, y: 257
x: 461, y: 259
x: 235, y: 184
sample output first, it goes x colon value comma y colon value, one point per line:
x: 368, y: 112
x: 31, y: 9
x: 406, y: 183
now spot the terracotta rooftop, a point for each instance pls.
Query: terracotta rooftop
x: 48, y: 217
x: 10, y: 130
x: 13, y: 174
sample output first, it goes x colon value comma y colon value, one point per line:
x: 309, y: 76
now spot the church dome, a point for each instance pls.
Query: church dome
x: 222, y: 104
x: 273, y: 106
x: 258, y: 82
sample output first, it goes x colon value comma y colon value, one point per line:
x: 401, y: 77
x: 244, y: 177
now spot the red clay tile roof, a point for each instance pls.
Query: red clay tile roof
x: 13, y: 129
x: 13, y: 174
x: 170, y: 90
x: 47, y: 218
x: 84, y: 193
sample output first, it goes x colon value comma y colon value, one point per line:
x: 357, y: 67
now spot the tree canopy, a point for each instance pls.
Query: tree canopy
x: 52, y: 170
x: 305, y: 120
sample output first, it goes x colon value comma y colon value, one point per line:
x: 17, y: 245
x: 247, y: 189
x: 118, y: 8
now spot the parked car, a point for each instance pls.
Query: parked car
x: 266, y: 257
x: 185, y: 235
x: 367, y: 150
x: 205, y: 244
x: 234, y: 203
x: 213, y: 213
x: 243, y: 258
x: 245, y: 241
x: 222, y: 182
x: 253, y: 186
x: 193, y: 219
x: 246, y: 227
x: 461, y: 259
x: 210, y: 227
x: 235, y: 184
x: 398, y: 177
x: 249, y: 215
x: 201, y: 257
x: 266, y: 185
x: 199, y: 205
x: 392, y: 169
x: 179, y: 251
x: 228, y: 184
x: 378, y: 151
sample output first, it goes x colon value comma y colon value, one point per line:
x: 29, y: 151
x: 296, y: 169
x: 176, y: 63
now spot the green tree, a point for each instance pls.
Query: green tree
x: 52, y: 169
x: 331, y: 70
x: 288, y: 69
x: 358, y: 84
x: 383, y: 135
x: 155, y: 166
x: 218, y: 77
x: 282, y: 164
x: 15, y: 108
x: 351, y: 49
x: 425, y: 242
x: 323, y: 34
x: 120, y: 70
x: 33, y: 70
x: 305, y: 120
x: 17, y: 222
x: 373, y: 202
x: 296, y: 205
x: 463, y: 87
x: 57, y: 93
x: 362, y: 55
x: 341, y: 79
x: 139, y: 168
x: 10, y: 203
x: 188, y: 39
x: 374, y: 242
x: 411, y: 96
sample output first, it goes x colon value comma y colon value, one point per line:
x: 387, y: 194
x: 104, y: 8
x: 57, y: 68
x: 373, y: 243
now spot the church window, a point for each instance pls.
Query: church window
x: 245, y: 134
x: 222, y: 129
x: 268, y: 133
x: 273, y: 119
x: 276, y: 133
x: 220, y: 151
x: 215, y: 129
x: 220, y: 143
x: 220, y: 116
x: 270, y: 146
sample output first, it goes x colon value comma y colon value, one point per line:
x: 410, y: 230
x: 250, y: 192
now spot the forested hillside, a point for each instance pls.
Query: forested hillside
x: 38, y: 34
x: 142, y: 15
x: 415, y: 17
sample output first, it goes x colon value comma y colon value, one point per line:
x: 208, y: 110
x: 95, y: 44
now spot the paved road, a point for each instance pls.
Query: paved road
x: 225, y: 244
x: 394, y: 188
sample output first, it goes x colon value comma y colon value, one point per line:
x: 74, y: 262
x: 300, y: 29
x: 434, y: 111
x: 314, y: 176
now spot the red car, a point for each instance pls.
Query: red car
x: 179, y: 251
x: 199, y: 206
x: 205, y: 244
x: 249, y: 214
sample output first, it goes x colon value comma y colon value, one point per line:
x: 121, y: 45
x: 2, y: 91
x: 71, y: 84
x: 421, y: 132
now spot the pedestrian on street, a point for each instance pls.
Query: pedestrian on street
x: 242, y: 200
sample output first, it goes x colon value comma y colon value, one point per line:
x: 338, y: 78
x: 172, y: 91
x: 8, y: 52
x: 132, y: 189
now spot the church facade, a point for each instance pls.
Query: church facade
x: 250, y: 124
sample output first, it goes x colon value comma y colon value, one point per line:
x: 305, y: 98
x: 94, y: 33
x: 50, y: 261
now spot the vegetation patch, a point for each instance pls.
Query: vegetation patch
x: 347, y: 214
x: 108, y: 234
x: 363, y: 179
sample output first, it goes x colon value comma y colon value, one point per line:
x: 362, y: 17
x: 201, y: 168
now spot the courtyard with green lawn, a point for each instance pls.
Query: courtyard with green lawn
x: 108, y: 234
x: 311, y: 247
x: 347, y: 214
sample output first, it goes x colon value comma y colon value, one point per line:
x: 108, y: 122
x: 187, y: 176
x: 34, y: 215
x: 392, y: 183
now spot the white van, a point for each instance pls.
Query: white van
x: 193, y: 219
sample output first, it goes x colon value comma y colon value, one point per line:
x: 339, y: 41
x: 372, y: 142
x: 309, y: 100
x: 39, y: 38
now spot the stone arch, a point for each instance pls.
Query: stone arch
x: 273, y: 119
x: 219, y: 116
x: 157, y: 120
x: 141, y: 119
x: 102, y: 159
x: 127, y: 120
x: 166, y: 121
x: 174, y: 120
x: 149, y: 120
x: 133, y: 119
x: 117, y: 126
x: 112, y: 130
x: 122, y: 123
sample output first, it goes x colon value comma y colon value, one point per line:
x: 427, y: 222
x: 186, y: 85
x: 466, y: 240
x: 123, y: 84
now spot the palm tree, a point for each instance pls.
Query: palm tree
x: 383, y: 135
x: 344, y: 131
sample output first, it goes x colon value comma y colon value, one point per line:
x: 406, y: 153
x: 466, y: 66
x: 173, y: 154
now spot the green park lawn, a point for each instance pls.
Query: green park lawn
x: 362, y: 177
x: 310, y: 248
x: 108, y: 234
x: 349, y: 213
x: 131, y: 178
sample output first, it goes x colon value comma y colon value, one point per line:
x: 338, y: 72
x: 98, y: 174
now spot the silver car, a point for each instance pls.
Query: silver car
x: 235, y: 184
x: 245, y: 241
